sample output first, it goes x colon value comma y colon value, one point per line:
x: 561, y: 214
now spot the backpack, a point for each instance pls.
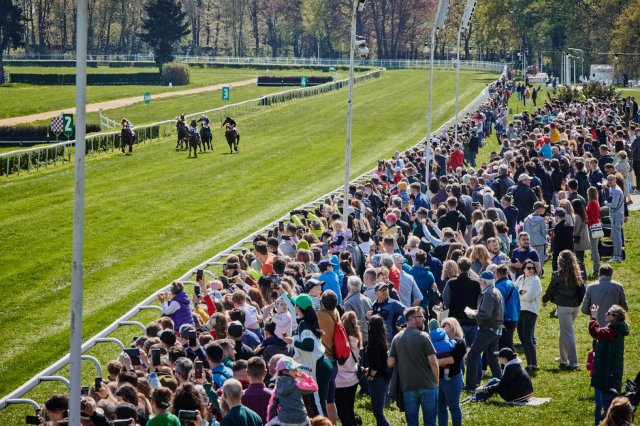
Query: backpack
x: 341, y: 346
x: 357, y: 256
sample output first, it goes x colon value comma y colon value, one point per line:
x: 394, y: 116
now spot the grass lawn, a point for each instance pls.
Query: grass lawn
x: 151, y: 216
x: 24, y: 99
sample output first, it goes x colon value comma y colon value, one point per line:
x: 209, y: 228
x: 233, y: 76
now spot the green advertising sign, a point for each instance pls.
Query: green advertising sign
x: 303, y: 81
x: 226, y: 93
x: 67, y: 124
x: 147, y: 97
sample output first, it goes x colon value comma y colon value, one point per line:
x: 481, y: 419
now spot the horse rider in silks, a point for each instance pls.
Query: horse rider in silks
x: 193, y: 126
x: 205, y: 123
x: 126, y: 125
x: 231, y: 122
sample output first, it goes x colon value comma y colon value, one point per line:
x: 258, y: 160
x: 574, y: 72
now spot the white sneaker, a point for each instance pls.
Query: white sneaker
x: 561, y: 361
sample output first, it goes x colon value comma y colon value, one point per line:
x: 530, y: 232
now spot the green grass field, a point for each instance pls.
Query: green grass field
x: 151, y: 216
x: 25, y: 99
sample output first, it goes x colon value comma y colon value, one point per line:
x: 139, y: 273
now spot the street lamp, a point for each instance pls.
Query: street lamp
x: 464, y: 24
x: 574, y: 49
x: 363, y: 51
x: 441, y: 15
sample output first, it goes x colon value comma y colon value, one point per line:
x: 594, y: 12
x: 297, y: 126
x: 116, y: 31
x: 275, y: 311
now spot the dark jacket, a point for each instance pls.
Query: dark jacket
x: 515, y: 385
x: 457, y: 353
x: 490, y: 308
x: 562, y: 237
x: 501, y: 186
x: 608, y: 359
x: 561, y: 294
x: 583, y: 183
x: 453, y: 219
x: 459, y: 293
x: 523, y: 199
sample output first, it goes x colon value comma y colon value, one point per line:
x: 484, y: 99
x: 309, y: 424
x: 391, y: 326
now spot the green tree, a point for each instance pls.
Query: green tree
x: 163, y: 27
x: 11, y: 29
x: 626, y: 34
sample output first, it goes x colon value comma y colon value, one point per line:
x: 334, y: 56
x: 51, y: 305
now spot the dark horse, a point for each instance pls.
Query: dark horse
x: 206, y: 137
x: 233, y: 138
x: 194, y: 142
x: 183, y: 134
x: 127, y: 137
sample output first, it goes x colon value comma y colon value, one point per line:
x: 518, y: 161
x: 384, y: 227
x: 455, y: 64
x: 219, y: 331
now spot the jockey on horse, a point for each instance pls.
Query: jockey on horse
x: 126, y: 125
x: 232, y: 123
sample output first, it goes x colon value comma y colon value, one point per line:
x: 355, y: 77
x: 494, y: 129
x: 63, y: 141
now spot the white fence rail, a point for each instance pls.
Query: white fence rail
x: 266, y: 60
x: 127, y: 318
x: 36, y: 157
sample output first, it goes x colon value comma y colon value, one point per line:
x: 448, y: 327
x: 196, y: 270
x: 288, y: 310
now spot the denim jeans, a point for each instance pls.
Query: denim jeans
x: 449, y: 400
x: 526, y: 332
x: 616, y: 235
x: 487, y: 341
x: 364, y: 381
x: 427, y: 399
x: 378, y: 391
x: 470, y: 334
x: 506, y: 340
x: 603, y: 400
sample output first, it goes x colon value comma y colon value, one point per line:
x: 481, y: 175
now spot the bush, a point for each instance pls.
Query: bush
x: 595, y: 90
x: 45, y: 63
x: 141, y: 78
x: 563, y: 94
x: 29, y: 132
x: 175, y: 73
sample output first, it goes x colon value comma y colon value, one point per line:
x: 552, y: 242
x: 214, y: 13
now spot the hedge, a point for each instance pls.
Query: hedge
x: 141, y: 78
x: 46, y: 63
x: 323, y: 68
x: 29, y: 132
x: 266, y: 80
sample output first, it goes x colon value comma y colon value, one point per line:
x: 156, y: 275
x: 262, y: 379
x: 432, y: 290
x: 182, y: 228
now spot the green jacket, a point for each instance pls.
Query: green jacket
x: 608, y: 359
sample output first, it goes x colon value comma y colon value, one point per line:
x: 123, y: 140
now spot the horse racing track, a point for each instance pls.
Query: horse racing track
x: 152, y: 215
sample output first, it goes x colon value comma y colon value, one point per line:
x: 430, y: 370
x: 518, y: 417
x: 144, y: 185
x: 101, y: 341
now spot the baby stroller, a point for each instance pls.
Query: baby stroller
x: 605, y: 244
x: 631, y: 391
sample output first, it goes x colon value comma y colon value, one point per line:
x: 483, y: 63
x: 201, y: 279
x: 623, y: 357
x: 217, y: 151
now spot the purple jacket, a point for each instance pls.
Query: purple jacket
x: 183, y: 315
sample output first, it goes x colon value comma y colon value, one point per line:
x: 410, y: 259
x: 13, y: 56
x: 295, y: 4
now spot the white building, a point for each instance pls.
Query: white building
x: 602, y: 73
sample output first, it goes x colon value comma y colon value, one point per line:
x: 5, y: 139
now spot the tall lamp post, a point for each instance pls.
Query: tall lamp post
x: 574, y: 49
x: 441, y: 15
x: 363, y: 51
x: 464, y: 24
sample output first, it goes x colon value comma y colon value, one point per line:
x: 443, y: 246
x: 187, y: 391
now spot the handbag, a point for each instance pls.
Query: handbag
x: 306, y: 383
x: 361, y: 371
x: 596, y: 230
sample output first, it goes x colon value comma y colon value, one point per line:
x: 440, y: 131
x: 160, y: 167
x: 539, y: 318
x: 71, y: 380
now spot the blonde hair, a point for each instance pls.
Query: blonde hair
x: 449, y: 270
x: 618, y: 312
x: 455, y: 325
x: 480, y: 253
x: 566, y: 204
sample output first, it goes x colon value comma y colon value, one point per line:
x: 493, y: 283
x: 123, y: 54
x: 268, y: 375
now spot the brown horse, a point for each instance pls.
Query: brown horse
x: 233, y: 138
x: 127, y: 137
x: 194, y: 142
x: 183, y: 134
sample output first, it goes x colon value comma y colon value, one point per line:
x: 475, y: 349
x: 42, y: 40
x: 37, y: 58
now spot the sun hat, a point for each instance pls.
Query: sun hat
x: 287, y: 363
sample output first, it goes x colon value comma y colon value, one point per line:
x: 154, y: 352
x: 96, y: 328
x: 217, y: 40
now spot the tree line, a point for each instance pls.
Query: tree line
x: 397, y: 29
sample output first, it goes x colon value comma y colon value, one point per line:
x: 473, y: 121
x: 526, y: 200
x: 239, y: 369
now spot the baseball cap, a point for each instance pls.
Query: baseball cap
x: 324, y: 264
x: 487, y: 276
x: 287, y: 363
x: 380, y: 286
x: 303, y: 301
x: 311, y: 283
x: 523, y: 176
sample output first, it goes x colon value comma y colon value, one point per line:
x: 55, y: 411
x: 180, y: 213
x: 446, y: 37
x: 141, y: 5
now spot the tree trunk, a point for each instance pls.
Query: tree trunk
x: 1, y: 67
x: 253, y: 10
x: 122, y: 43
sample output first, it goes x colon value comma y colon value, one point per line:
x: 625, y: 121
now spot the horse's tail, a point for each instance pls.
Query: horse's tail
x: 238, y: 137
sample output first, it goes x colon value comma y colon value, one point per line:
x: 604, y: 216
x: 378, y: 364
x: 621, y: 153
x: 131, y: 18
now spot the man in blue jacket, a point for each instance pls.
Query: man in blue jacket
x: 425, y: 281
x: 511, y: 299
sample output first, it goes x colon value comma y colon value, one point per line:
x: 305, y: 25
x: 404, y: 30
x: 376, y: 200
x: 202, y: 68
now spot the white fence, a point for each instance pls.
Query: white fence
x: 36, y: 157
x: 258, y: 60
x: 127, y: 319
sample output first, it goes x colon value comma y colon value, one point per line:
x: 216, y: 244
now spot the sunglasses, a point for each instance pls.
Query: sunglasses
x: 530, y: 268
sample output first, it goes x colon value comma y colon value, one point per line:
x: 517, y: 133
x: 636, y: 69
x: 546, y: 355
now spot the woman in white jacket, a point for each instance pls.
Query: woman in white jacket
x: 530, y: 291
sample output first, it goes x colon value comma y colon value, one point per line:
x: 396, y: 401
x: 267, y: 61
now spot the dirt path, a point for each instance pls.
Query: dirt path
x: 118, y: 103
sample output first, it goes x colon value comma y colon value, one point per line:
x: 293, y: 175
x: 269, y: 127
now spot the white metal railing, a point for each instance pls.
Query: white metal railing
x: 146, y: 304
x: 106, y: 122
x: 25, y: 159
x: 267, y: 60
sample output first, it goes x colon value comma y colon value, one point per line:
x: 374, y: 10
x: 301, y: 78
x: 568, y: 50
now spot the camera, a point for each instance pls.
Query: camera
x: 189, y: 415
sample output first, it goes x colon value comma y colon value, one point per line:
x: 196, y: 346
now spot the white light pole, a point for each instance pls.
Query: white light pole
x: 574, y: 49
x: 464, y: 24
x: 75, y: 337
x: 441, y: 15
x: 358, y: 5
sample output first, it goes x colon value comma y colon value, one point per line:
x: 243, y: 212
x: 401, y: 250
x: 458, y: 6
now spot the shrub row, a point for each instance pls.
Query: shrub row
x: 49, y: 63
x: 313, y: 80
x: 101, y: 143
x: 27, y: 132
x: 142, y: 78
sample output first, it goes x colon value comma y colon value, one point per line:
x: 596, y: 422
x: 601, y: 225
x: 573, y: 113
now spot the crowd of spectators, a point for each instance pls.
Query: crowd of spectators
x: 326, y: 306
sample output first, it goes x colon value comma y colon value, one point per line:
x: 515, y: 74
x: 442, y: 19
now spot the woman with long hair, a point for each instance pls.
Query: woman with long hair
x: 309, y: 352
x: 620, y: 413
x: 593, y: 217
x: 566, y: 290
x: 347, y: 378
x: 480, y: 258
x: 580, y: 233
x: 449, y: 270
x: 568, y: 207
x: 530, y: 292
x: 450, y: 385
x: 378, y: 373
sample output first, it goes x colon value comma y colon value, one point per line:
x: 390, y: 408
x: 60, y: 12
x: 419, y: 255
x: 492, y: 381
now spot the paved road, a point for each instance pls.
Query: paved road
x: 118, y: 103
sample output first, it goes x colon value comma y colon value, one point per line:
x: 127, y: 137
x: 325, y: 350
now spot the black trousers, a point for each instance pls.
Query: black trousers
x: 506, y: 339
x: 345, y: 402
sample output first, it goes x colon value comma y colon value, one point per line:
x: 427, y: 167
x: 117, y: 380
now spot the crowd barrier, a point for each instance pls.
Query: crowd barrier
x: 43, y: 156
x: 214, y: 262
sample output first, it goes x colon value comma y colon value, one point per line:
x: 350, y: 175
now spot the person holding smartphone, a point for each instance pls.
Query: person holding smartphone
x: 178, y: 308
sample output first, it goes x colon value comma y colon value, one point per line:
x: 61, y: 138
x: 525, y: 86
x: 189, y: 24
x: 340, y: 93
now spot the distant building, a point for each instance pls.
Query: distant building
x: 603, y: 74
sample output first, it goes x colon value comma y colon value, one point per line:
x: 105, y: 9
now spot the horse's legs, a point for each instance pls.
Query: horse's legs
x: 131, y: 147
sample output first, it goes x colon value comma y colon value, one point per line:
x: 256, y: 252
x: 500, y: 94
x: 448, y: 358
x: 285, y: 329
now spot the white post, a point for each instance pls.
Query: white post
x: 455, y: 128
x: 347, y: 157
x: 428, y: 141
x: 75, y: 351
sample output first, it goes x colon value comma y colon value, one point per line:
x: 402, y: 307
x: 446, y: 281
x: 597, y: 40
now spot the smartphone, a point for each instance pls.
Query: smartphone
x: 155, y: 356
x: 198, y: 369
x: 134, y: 354
x: 193, y: 335
x: 197, y: 290
x: 84, y: 391
x: 199, y: 275
x: 187, y: 415
x: 376, y: 239
x: 270, y: 233
x: 32, y: 420
x: 225, y: 267
x: 97, y: 385
x: 325, y: 249
x: 281, y: 226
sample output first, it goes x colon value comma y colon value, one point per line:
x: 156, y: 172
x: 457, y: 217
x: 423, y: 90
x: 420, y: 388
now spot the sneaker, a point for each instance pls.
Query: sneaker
x: 561, y: 361
x: 532, y: 369
x: 615, y: 260
x: 571, y: 367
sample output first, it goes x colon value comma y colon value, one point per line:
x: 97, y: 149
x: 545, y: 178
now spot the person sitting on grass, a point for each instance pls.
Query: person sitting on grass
x: 515, y: 385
